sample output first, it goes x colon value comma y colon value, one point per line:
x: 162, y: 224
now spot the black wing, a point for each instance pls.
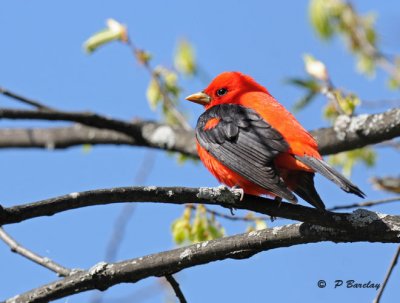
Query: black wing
x: 246, y: 144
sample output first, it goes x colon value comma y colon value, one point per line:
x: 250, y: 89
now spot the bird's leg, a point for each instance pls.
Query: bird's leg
x: 279, y: 200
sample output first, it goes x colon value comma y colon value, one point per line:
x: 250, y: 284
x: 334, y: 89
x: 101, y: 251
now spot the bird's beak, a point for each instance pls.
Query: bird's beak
x: 200, y: 98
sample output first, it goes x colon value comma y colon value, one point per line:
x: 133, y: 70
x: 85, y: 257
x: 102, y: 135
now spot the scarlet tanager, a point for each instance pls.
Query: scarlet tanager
x: 247, y: 139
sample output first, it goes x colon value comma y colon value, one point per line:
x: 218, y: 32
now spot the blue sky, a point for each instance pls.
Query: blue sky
x: 41, y: 57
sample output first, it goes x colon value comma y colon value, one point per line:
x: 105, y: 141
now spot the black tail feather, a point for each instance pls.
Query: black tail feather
x: 306, y: 190
x: 331, y: 174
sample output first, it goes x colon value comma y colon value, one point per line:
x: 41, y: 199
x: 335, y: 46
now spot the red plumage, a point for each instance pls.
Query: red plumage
x: 248, y: 139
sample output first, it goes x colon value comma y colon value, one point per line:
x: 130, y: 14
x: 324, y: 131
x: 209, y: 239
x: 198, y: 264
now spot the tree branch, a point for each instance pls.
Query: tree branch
x: 366, y: 203
x: 388, y: 274
x: 23, y: 99
x: 143, y: 133
x: 30, y: 255
x: 355, y: 132
x: 175, y: 286
x: 61, y: 137
x: 229, y: 198
x: 105, y: 275
x: 348, y: 132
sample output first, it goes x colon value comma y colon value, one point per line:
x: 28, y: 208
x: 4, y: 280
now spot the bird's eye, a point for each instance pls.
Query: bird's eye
x: 221, y: 91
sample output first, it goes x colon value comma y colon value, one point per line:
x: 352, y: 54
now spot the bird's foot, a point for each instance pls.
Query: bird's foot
x: 278, y: 199
x: 240, y: 191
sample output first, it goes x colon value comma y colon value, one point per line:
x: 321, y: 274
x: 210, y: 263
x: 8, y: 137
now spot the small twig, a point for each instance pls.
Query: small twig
x: 176, y: 288
x: 328, y: 90
x: 167, y: 100
x: 23, y: 99
x: 43, y: 261
x: 388, y: 183
x: 366, y: 204
x: 369, y: 49
x: 389, y: 272
x: 232, y: 217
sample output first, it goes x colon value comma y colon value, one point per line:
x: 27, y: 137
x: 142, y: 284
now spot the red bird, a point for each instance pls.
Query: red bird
x: 247, y: 139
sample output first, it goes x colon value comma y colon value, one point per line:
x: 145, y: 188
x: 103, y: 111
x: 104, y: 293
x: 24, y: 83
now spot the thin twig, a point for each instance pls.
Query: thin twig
x: 367, y: 48
x: 366, y: 204
x: 23, y: 99
x: 389, y: 272
x: 175, y: 286
x: 234, y: 217
x: 166, y: 99
x: 30, y: 255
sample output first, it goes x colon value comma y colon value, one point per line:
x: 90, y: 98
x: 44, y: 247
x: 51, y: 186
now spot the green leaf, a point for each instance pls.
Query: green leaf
x: 310, y: 84
x: 320, y: 18
x: 330, y: 112
x: 181, y: 227
x: 114, y: 32
x: 180, y: 230
x: 348, y: 103
x: 153, y: 94
x: 366, y: 64
x: 393, y: 83
x: 304, y: 101
x: 368, y: 22
x: 203, y: 227
x: 312, y: 87
x: 185, y: 59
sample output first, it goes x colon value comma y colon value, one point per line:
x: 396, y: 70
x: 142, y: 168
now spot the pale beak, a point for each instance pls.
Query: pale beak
x: 200, y: 98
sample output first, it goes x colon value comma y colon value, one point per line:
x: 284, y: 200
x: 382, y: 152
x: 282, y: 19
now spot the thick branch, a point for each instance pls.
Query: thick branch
x: 104, y: 275
x: 61, y: 137
x: 348, y: 133
x: 229, y: 198
x: 142, y: 133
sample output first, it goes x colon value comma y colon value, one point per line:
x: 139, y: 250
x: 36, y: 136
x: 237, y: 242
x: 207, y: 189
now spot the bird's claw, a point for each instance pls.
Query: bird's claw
x: 240, y: 190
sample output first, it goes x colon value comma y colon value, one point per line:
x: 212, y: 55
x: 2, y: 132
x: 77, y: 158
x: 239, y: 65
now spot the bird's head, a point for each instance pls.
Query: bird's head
x: 226, y: 88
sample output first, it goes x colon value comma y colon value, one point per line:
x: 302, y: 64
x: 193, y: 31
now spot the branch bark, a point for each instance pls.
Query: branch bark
x: 347, y: 133
x: 105, y: 275
x: 222, y: 196
x: 143, y: 133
